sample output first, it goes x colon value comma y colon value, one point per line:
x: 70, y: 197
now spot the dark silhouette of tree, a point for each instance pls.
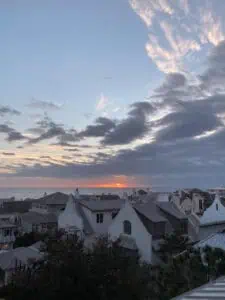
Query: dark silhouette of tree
x: 28, y: 239
x: 173, y: 244
x: 70, y: 271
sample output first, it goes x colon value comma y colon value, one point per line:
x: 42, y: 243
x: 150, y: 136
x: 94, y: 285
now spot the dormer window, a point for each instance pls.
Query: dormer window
x: 99, y: 218
x: 127, y: 227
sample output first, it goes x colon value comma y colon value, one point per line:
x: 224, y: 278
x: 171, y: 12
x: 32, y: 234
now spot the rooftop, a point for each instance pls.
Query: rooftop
x: 57, y: 198
x: 102, y: 205
x: 38, y: 218
x: 216, y: 240
x: 214, y: 290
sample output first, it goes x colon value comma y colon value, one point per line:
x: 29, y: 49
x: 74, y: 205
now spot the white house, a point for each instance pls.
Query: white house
x: 70, y: 220
x: 213, y: 219
x: 145, y: 225
x: 100, y: 213
x: 128, y: 224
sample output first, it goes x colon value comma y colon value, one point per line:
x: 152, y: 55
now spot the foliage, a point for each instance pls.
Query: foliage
x: 28, y: 239
x: 71, y: 272
x: 173, y: 244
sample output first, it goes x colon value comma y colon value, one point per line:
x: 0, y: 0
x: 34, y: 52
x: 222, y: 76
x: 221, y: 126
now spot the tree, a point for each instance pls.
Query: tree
x: 70, y: 271
x: 173, y: 244
x: 28, y: 239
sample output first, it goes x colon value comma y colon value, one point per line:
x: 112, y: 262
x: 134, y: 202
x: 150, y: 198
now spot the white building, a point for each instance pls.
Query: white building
x: 88, y: 216
x: 144, y: 225
x: 213, y: 219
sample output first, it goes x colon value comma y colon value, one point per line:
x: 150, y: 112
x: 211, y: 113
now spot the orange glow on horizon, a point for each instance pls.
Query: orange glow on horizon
x: 38, y: 182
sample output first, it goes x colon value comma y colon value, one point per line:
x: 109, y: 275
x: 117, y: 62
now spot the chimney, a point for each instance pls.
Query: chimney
x: 77, y: 194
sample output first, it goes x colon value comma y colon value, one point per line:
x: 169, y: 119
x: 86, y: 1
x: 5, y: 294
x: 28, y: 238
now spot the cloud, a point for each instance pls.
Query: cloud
x: 214, y: 76
x: 102, y: 103
x: 211, y: 26
x: 147, y: 9
x: 8, y: 153
x: 12, y: 134
x: 101, y: 127
x: 177, y: 31
x: 47, y: 129
x: 4, y: 110
x: 44, y: 105
x: 135, y: 126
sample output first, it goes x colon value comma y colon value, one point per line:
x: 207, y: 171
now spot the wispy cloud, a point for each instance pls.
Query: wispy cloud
x: 211, y: 28
x: 147, y: 9
x: 177, y: 30
x: 44, y: 105
x: 4, y: 110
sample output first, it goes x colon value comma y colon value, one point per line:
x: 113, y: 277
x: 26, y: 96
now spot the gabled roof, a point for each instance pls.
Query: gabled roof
x: 150, y: 211
x: 214, y: 290
x: 15, y: 207
x: 38, y: 218
x: 214, y: 214
x: 57, y: 198
x: 74, y: 217
x: 102, y: 205
x: 171, y: 209
x: 216, y: 240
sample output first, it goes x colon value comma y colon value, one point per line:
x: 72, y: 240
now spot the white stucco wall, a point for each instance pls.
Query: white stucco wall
x: 100, y: 228
x: 90, y: 217
x: 142, y: 237
x: 186, y: 205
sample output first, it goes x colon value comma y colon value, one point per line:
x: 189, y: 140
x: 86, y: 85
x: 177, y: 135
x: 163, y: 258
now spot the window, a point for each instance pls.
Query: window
x: 99, y: 218
x: 200, y: 204
x: 127, y: 227
x: 114, y: 214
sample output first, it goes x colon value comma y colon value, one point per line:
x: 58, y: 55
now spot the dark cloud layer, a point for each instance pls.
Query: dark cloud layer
x: 11, y: 134
x: 100, y: 129
x: 135, y: 126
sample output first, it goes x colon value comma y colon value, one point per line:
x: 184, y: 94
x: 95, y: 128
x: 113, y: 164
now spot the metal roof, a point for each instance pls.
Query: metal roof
x: 38, y: 218
x: 102, y: 205
x: 216, y: 240
x: 214, y: 290
x: 170, y: 208
x: 57, y: 198
x: 150, y: 211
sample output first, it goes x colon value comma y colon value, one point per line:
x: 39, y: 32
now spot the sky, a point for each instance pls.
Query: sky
x: 118, y: 93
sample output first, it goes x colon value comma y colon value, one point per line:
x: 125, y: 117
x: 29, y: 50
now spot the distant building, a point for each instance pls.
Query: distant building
x: 191, y: 201
x: 38, y: 222
x: 53, y: 203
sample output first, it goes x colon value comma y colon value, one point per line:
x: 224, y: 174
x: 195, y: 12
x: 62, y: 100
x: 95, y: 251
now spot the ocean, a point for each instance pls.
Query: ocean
x: 21, y: 193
